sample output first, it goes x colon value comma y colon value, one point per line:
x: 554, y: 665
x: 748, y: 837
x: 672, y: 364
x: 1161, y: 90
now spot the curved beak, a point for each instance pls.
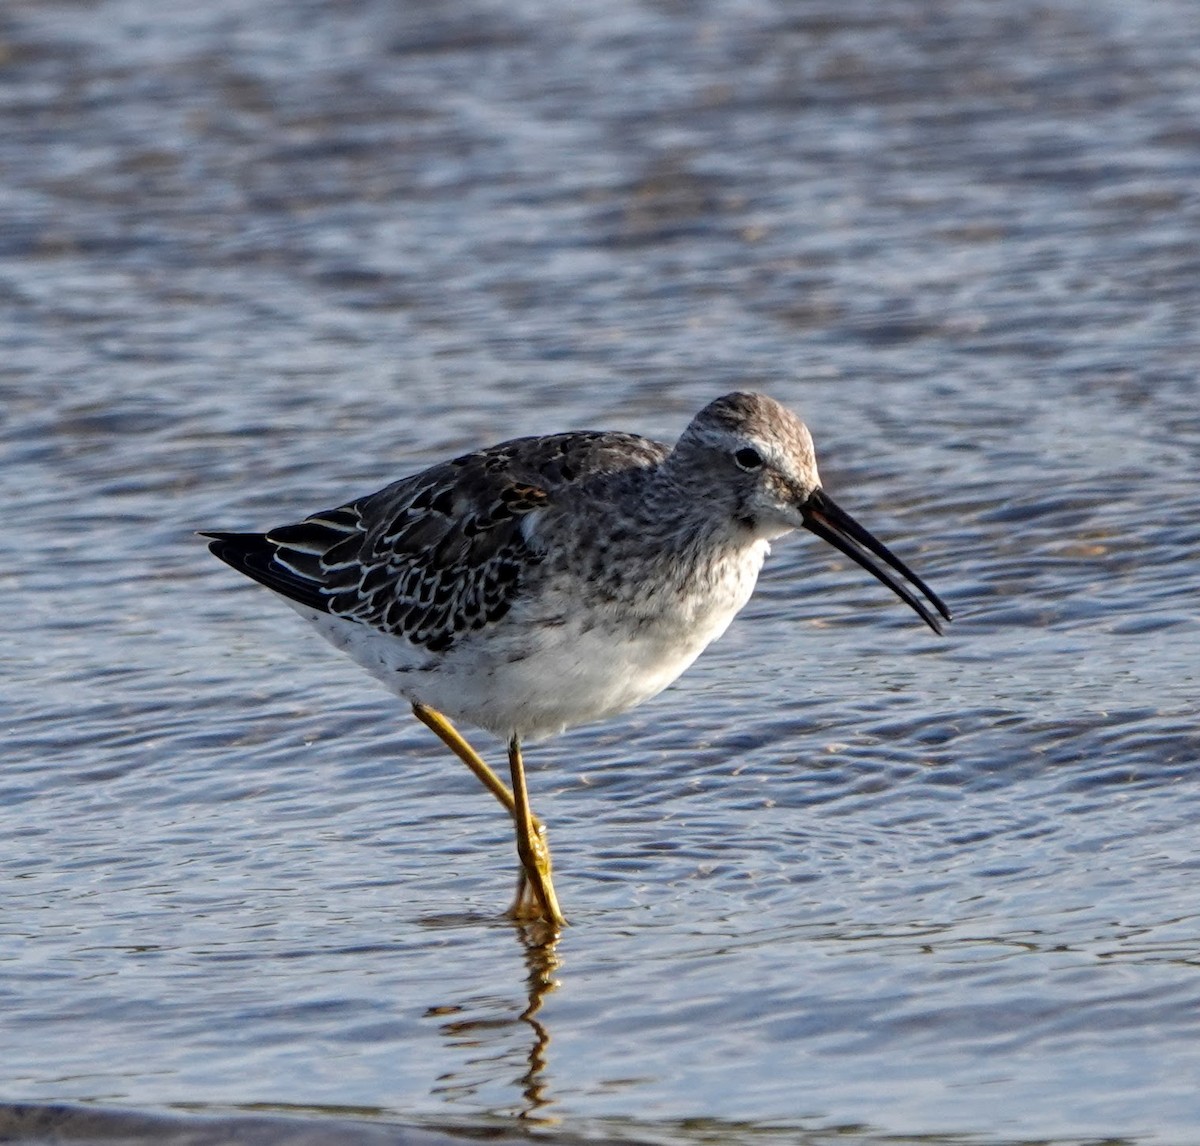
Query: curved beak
x: 823, y: 517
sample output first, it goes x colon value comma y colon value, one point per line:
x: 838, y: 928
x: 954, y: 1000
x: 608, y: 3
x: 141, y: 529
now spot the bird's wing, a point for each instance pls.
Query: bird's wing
x: 440, y: 553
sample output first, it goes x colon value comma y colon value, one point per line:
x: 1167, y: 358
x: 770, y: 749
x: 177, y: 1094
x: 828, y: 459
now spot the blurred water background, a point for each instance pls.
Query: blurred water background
x: 845, y: 881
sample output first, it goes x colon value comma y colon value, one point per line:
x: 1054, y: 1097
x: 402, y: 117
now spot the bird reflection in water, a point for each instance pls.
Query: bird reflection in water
x: 539, y: 940
x: 541, y: 961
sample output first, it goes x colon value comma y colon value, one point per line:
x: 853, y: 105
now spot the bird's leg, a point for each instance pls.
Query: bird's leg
x: 453, y: 739
x: 527, y: 903
x: 531, y: 847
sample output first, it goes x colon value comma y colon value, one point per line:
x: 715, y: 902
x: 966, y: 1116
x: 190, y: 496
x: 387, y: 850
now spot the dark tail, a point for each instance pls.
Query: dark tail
x: 254, y: 555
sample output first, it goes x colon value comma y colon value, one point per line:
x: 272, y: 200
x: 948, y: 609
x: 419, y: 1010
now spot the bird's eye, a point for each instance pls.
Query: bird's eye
x: 748, y: 458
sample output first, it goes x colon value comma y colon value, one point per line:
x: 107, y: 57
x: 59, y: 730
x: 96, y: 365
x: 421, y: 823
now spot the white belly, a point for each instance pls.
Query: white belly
x: 553, y: 663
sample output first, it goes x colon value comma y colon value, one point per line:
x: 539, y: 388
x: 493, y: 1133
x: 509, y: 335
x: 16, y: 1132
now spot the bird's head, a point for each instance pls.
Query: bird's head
x: 758, y: 467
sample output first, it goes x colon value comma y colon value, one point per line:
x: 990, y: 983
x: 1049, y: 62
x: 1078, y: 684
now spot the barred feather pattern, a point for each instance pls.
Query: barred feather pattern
x: 441, y: 554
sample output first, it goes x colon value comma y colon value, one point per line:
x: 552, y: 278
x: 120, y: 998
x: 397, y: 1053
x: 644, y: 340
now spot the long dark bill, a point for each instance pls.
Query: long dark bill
x: 823, y: 517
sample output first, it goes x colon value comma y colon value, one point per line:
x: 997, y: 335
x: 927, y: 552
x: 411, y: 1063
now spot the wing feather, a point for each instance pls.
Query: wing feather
x: 438, y: 554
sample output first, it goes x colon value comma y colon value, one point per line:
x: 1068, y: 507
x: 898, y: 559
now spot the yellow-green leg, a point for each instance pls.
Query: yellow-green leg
x: 535, y: 892
x: 531, y: 846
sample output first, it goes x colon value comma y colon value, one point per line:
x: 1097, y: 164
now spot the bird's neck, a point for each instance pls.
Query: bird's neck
x: 696, y: 516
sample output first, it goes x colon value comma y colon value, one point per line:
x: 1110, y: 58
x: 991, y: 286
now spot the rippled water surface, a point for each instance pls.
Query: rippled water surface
x: 845, y: 879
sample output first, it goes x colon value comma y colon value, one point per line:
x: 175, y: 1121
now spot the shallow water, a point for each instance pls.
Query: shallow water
x: 844, y: 879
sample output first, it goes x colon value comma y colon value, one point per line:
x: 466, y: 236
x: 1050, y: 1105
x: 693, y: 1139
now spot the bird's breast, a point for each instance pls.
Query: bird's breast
x: 586, y: 656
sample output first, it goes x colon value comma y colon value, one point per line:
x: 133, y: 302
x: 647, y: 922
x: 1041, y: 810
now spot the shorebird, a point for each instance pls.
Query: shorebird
x: 549, y: 581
